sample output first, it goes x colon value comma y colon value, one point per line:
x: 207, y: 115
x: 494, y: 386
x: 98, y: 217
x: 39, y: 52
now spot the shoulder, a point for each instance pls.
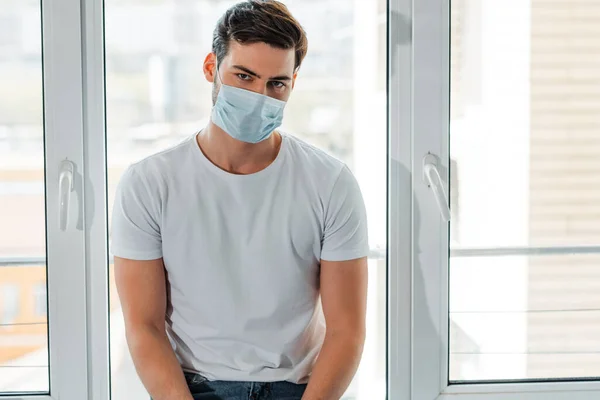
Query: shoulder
x: 157, y: 169
x: 313, y: 160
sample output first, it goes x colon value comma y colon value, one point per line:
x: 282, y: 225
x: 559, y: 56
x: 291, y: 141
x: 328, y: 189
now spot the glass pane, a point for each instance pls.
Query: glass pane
x: 524, y: 105
x: 157, y: 96
x: 521, y: 317
x: 525, y: 157
x: 23, y: 321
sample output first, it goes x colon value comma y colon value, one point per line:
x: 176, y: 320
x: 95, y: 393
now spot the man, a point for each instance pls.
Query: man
x: 231, y: 247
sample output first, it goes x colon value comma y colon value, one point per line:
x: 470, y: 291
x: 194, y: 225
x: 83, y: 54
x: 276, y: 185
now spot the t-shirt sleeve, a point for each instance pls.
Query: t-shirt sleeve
x: 345, y: 235
x: 135, y: 220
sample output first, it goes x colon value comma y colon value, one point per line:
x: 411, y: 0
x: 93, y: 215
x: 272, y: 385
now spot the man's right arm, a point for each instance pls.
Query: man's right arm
x: 142, y: 290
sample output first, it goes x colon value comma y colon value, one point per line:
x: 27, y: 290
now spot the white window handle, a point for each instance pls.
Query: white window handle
x: 432, y: 177
x: 65, y: 187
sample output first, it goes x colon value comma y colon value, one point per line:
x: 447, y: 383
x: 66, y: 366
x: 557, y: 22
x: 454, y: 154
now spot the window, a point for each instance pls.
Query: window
x: 40, y: 135
x: 504, y: 295
x: 23, y: 341
x: 528, y: 150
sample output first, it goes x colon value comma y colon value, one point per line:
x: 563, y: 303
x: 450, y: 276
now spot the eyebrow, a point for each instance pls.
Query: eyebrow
x: 273, y: 78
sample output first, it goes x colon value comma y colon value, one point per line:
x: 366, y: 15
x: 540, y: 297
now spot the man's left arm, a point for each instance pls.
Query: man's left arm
x: 343, y: 280
x: 343, y: 296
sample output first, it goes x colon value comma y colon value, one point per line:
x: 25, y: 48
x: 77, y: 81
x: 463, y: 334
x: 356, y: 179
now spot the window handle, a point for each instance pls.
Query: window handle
x: 65, y: 187
x: 432, y: 177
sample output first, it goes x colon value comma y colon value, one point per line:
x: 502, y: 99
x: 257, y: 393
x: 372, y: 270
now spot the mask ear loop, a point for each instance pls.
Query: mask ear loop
x: 218, y: 74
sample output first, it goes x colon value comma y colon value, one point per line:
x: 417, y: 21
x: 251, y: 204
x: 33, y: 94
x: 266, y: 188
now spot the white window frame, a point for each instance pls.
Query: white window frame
x: 418, y: 276
x: 65, y: 250
x: 73, y: 71
x: 96, y: 216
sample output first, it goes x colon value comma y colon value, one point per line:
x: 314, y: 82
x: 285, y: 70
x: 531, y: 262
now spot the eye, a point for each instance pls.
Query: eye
x: 244, y: 77
x: 278, y: 84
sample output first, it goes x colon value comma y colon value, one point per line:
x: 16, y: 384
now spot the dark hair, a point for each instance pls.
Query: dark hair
x: 255, y: 21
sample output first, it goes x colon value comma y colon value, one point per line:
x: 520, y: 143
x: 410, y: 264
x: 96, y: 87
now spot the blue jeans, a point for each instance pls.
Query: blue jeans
x: 202, y: 389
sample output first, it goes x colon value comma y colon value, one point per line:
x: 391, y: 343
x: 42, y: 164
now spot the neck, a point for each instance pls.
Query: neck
x: 235, y: 156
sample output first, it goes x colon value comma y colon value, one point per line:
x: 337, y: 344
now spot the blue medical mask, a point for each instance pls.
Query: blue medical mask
x: 245, y: 115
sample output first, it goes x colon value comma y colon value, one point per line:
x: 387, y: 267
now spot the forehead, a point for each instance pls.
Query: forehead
x: 261, y: 58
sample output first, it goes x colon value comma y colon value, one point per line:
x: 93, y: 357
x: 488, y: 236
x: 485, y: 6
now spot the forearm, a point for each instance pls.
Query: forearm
x: 335, y: 367
x: 157, y: 365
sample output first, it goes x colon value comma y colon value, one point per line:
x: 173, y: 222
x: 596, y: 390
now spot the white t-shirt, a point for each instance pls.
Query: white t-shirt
x: 242, y: 254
